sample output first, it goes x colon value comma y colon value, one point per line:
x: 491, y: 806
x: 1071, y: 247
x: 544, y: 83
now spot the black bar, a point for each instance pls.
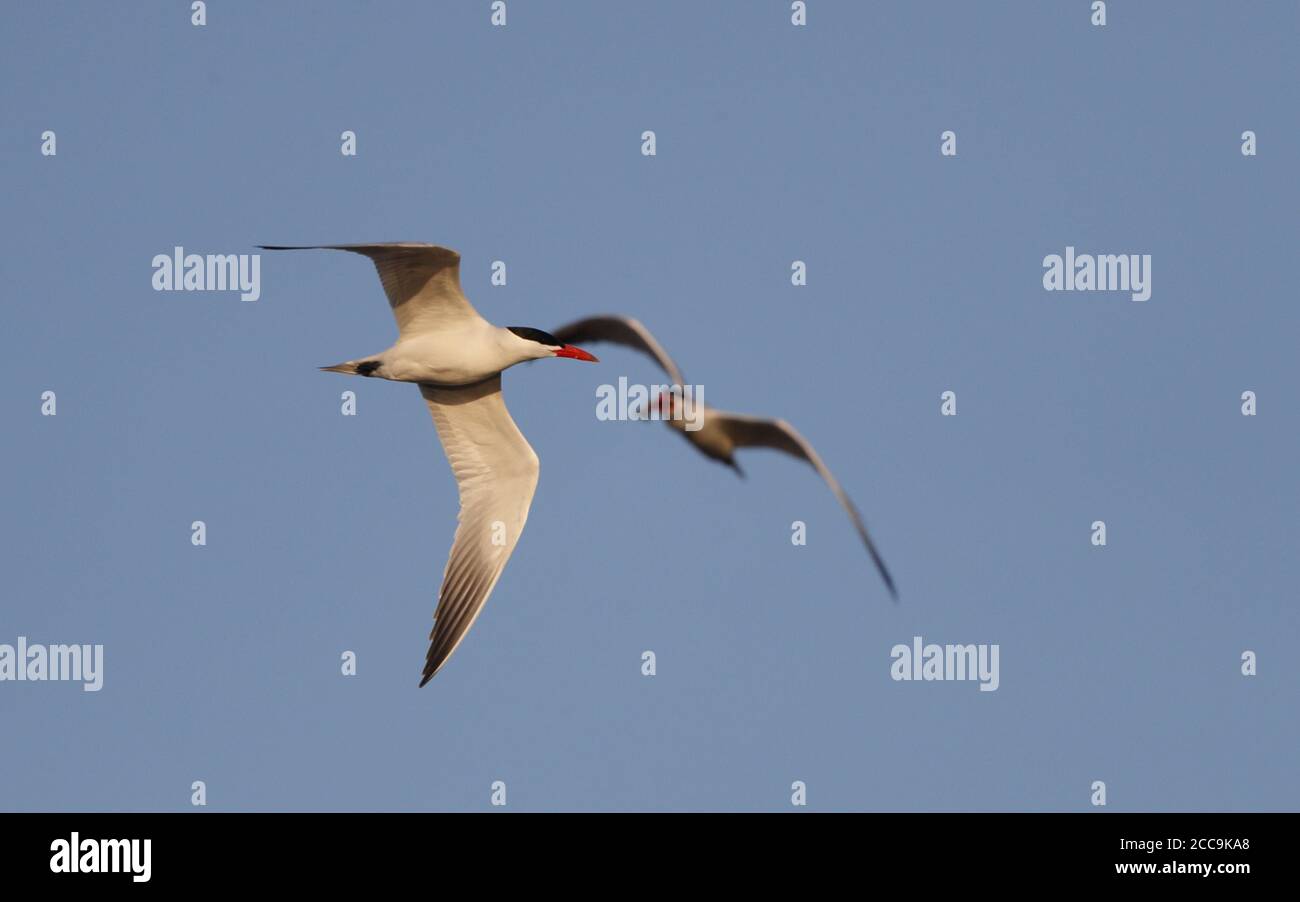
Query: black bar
x: 334, y: 850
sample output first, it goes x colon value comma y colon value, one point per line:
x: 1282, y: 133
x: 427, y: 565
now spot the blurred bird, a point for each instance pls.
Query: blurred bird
x: 720, y: 433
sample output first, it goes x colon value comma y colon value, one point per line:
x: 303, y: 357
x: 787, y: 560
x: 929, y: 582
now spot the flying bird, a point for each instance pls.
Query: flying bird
x: 720, y: 433
x: 456, y: 357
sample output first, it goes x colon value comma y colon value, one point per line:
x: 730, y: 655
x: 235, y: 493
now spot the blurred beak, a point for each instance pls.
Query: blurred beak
x: 576, y: 354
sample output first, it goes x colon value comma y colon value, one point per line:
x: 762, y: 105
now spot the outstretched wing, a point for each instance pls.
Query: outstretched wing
x: 622, y: 330
x: 496, y: 473
x: 754, y: 432
x: 422, y: 282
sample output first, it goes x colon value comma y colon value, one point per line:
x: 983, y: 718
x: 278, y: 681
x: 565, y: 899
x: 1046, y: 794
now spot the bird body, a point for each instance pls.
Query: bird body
x: 711, y: 438
x: 463, y: 353
x: 456, y: 357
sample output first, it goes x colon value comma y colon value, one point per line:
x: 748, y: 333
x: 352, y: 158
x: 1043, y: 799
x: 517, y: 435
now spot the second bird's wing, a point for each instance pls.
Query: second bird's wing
x: 622, y: 330
x: 755, y: 432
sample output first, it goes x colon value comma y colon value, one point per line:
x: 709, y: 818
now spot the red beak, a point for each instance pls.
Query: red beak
x: 576, y: 354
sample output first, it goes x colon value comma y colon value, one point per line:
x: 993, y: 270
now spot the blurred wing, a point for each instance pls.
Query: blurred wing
x: 752, y: 432
x: 422, y: 282
x: 621, y: 330
x: 496, y: 473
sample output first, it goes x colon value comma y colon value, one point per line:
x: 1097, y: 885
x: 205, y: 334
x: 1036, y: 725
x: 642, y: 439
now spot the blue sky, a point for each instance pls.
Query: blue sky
x: 774, y: 143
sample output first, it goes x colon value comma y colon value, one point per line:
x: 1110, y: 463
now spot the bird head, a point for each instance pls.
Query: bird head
x: 665, y: 404
x: 547, y: 345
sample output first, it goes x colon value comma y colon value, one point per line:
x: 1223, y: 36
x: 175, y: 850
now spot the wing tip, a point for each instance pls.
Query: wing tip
x: 886, y: 577
x: 431, y: 667
x: 889, y: 584
x: 430, y: 671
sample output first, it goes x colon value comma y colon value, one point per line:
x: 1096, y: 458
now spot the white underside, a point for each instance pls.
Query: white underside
x: 466, y: 353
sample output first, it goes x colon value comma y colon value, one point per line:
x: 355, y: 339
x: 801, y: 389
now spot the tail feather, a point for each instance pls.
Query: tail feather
x: 353, y: 368
x: 350, y: 368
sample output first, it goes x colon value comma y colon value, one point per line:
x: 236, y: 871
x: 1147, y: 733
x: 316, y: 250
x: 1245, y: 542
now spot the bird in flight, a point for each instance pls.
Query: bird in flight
x: 456, y: 357
x: 720, y: 433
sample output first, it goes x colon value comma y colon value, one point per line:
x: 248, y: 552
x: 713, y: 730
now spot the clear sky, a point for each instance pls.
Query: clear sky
x: 775, y: 143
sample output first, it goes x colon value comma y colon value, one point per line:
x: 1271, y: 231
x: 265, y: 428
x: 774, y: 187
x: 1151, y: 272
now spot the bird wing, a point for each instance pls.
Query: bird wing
x: 496, y: 473
x: 622, y: 330
x: 422, y: 282
x: 754, y: 432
